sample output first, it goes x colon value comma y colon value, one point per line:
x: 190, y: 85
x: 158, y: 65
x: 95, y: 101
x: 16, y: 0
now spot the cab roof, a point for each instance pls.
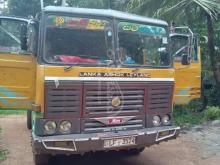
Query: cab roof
x: 105, y: 13
x: 15, y: 18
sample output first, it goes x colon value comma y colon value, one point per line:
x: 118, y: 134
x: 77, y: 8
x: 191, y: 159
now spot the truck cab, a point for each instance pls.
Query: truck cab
x: 187, y: 63
x: 104, y: 81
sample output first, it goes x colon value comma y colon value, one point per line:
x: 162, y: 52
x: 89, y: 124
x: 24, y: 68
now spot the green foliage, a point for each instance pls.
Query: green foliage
x: 182, y: 117
x: 23, y: 7
x: 27, y: 8
x: 3, y: 155
x: 3, y: 152
x: 103, y: 4
x: 12, y: 112
x: 194, y: 106
x: 178, y: 7
x: 88, y: 4
x: 212, y: 113
x: 32, y: 7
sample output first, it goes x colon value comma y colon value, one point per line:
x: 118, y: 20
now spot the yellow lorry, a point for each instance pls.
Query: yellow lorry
x: 91, y: 79
x: 188, y: 75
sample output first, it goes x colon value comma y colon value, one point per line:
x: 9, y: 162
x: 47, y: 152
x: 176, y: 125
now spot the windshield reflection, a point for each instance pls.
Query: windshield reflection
x: 78, y: 40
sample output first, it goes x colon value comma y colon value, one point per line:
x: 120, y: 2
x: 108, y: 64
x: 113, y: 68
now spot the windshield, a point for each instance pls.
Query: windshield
x: 78, y: 40
x: 143, y: 45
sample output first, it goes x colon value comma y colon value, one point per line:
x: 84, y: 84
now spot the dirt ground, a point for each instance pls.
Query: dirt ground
x: 197, y: 146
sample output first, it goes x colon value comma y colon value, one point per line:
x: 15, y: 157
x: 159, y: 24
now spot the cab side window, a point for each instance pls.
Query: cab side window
x: 10, y: 35
x: 178, y: 47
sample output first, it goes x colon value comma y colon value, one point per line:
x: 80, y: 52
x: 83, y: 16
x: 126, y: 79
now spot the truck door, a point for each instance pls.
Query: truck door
x: 17, y: 67
x: 187, y: 77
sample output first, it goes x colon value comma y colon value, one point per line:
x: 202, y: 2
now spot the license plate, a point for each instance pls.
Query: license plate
x: 118, y: 142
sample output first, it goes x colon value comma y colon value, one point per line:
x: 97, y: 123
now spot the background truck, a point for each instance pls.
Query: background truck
x: 188, y: 75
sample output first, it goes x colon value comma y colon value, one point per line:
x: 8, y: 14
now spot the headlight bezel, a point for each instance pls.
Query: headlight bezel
x: 52, y: 131
x: 168, y: 121
x: 62, y: 124
x: 158, y: 121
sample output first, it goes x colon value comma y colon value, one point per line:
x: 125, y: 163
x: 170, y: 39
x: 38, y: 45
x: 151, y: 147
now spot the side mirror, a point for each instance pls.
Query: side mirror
x: 185, y: 59
x: 23, y: 37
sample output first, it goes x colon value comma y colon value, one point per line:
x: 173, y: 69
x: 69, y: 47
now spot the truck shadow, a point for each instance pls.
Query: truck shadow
x: 100, y: 158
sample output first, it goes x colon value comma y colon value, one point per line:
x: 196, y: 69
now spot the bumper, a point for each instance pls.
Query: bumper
x: 82, y: 143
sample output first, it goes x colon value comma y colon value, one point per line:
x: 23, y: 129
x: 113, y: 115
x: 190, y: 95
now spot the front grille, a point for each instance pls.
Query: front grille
x: 94, y: 126
x: 63, y: 100
x: 90, y: 101
x: 160, y: 98
x: 98, y: 100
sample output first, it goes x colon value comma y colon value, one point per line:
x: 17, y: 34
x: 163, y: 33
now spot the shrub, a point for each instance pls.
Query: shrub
x: 181, y: 117
x: 212, y: 113
x: 195, y: 105
x: 3, y: 152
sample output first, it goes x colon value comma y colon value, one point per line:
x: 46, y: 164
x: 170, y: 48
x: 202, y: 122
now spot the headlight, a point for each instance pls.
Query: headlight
x: 65, y: 127
x: 156, y: 121
x: 166, y: 119
x: 50, y: 127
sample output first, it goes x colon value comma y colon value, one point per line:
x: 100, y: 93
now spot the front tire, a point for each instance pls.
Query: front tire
x: 41, y: 159
x: 29, y: 119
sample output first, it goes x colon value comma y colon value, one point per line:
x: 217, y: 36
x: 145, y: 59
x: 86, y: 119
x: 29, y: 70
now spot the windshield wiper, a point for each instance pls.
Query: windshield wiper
x: 135, y: 69
x: 68, y: 68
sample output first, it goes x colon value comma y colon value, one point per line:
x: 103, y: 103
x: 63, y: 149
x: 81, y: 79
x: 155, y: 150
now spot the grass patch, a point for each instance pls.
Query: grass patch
x: 182, y: 117
x: 12, y: 112
x: 3, y: 152
x: 212, y: 113
x: 192, y: 117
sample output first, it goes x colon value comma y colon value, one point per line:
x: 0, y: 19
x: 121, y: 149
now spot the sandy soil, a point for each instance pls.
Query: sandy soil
x: 198, y: 146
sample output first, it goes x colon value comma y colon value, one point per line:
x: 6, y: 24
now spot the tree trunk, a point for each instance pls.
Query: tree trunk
x: 212, y: 52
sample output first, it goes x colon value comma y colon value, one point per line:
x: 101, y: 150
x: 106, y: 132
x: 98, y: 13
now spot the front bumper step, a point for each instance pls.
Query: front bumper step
x: 82, y: 143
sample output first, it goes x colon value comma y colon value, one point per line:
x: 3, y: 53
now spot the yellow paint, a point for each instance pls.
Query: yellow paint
x: 40, y: 86
x: 188, y: 81
x: 59, y: 21
x: 18, y: 75
x: 17, y: 80
x: 58, y: 71
x: 25, y: 79
x: 96, y: 25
